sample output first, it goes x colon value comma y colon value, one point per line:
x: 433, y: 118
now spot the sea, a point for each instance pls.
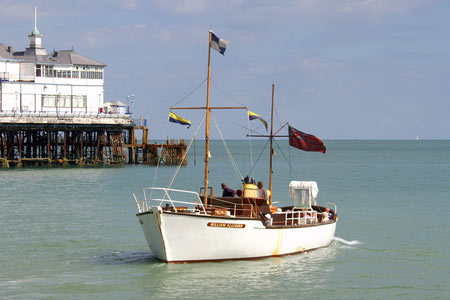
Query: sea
x: 72, y: 233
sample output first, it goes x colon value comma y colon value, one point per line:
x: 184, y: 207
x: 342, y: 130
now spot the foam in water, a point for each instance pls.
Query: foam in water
x: 341, y: 240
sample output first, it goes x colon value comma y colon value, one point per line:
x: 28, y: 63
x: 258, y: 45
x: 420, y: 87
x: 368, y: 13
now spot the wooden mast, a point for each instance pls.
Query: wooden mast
x: 271, y: 148
x: 207, y: 123
x: 208, y: 110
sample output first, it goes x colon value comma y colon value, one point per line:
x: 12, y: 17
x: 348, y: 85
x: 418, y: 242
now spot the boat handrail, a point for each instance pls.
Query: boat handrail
x: 335, y: 206
x: 252, y: 207
x: 144, y: 206
x: 168, y: 198
x: 295, y: 217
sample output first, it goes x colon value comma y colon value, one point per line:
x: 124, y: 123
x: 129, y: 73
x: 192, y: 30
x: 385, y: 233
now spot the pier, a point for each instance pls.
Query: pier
x: 57, y: 141
x: 53, y: 113
x: 169, y: 153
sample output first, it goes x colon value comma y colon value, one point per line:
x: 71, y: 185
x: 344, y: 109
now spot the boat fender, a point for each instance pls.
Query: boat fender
x: 268, y: 218
x: 273, y: 209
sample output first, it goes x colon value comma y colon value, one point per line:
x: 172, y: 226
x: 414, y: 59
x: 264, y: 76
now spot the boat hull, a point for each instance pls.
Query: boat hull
x: 175, y: 237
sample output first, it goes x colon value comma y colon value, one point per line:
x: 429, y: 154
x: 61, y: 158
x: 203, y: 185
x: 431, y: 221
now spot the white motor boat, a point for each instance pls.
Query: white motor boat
x: 186, y: 226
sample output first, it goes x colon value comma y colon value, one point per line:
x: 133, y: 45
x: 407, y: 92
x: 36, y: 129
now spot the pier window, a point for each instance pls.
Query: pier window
x: 63, y: 74
x: 64, y: 101
x: 91, y: 73
x: 48, y: 100
x: 79, y: 101
x: 48, y: 71
x: 38, y: 70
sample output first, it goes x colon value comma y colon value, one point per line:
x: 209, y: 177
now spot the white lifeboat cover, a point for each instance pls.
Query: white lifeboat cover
x: 297, y: 185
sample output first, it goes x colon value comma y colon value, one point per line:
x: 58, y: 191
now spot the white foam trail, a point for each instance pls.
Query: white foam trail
x: 341, y: 240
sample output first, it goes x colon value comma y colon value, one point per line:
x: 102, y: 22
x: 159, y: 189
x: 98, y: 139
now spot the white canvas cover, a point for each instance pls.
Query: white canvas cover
x: 304, y: 193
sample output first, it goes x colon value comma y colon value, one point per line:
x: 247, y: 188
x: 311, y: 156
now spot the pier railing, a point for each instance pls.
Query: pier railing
x: 4, y: 76
x: 17, y: 116
x: 79, y: 114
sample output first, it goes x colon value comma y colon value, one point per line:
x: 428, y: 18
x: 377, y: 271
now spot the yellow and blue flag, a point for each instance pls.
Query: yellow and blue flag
x: 177, y: 119
x: 253, y: 116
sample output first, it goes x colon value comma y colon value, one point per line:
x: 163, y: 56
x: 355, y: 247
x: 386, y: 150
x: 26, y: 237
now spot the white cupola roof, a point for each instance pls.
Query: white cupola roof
x: 35, y: 40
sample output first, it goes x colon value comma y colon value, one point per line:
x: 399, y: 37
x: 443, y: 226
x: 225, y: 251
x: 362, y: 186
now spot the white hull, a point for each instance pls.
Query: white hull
x: 175, y: 237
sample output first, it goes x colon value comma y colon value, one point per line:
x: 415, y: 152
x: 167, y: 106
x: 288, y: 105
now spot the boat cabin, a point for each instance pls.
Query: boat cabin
x: 247, y: 204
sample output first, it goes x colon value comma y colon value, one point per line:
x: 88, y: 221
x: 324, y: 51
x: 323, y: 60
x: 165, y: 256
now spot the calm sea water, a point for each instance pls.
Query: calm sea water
x: 72, y: 233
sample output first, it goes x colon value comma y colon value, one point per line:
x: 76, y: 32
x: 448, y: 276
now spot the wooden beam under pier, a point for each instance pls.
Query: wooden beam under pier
x: 63, y: 145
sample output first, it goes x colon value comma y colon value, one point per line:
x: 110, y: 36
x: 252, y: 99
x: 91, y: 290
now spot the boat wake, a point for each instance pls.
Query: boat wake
x: 341, y: 240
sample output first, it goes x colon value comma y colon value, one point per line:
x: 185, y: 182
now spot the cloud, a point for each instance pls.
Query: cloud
x: 127, y: 4
x: 281, y: 8
x: 105, y: 36
x: 314, y: 64
x: 184, y: 7
x: 13, y: 11
x: 383, y: 6
x: 353, y: 6
x: 140, y: 34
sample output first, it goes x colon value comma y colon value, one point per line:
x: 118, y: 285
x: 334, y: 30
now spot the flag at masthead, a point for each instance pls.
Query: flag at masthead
x: 220, y: 45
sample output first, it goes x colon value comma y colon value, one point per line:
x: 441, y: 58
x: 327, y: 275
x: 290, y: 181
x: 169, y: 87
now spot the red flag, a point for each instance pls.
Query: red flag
x: 304, y: 141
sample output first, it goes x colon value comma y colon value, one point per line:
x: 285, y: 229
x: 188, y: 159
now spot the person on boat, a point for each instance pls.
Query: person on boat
x: 262, y: 193
x: 227, y: 192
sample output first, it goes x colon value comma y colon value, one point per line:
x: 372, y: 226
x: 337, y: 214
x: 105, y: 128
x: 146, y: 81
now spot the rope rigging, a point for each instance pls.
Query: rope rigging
x: 259, y: 156
x: 189, y: 94
x: 287, y: 160
x: 239, y: 125
x: 233, y: 162
x: 185, y: 154
x: 225, y: 93
x: 235, y: 167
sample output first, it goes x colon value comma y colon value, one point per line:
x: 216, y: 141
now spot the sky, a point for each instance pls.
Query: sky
x: 342, y: 69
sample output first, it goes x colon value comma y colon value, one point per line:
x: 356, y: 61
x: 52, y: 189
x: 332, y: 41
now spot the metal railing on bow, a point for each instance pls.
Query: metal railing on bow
x: 190, y: 200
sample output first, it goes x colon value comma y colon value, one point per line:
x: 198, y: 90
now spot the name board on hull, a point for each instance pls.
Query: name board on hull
x: 225, y: 225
